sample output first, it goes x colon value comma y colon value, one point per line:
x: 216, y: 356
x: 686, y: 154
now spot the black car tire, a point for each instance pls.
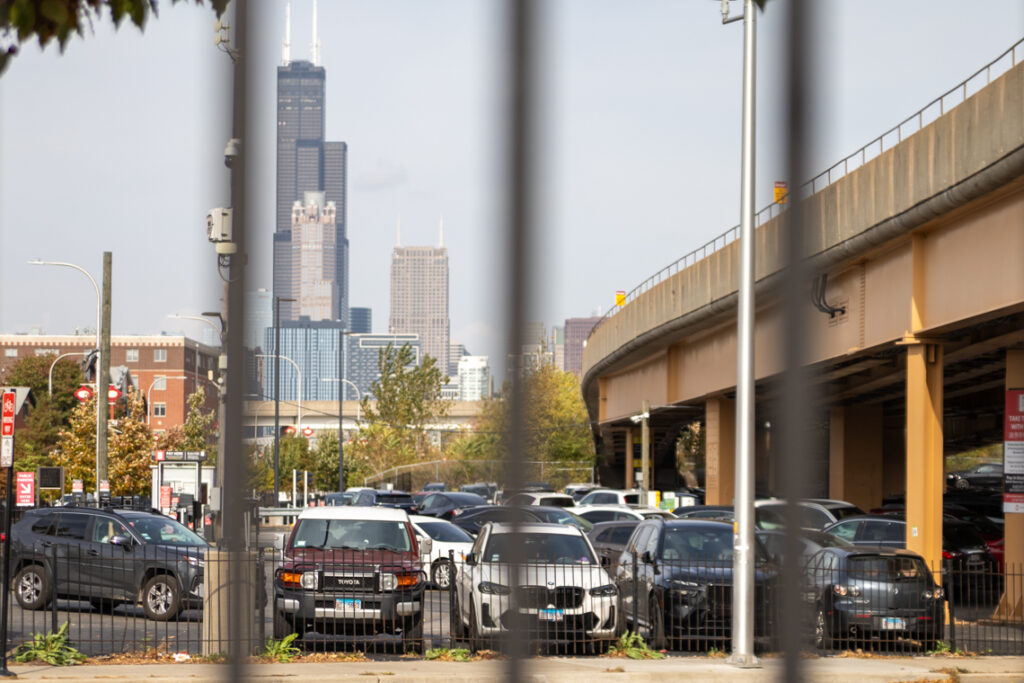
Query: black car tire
x: 962, y: 484
x: 284, y: 628
x: 412, y: 634
x: 32, y: 587
x: 656, y: 618
x: 161, y: 598
x: 459, y: 627
x: 441, y: 574
x: 475, y: 641
x: 823, y: 638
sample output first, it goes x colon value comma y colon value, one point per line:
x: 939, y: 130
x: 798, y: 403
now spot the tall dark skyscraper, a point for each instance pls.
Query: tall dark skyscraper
x: 306, y: 162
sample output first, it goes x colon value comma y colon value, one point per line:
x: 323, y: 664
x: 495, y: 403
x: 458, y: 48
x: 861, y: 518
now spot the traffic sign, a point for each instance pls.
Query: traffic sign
x: 83, y: 393
x: 77, y: 486
x: 7, y: 452
x: 308, y: 431
x: 26, y: 488
x: 113, y: 393
x: 9, y: 412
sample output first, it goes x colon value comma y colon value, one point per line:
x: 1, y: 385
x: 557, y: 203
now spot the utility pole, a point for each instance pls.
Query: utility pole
x: 645, y: 444
x: 103, y: 378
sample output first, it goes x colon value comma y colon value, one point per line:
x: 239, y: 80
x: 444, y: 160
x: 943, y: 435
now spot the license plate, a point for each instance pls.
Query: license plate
x: 893, y: 624
x: 551, y: 614
x: 348, y: 603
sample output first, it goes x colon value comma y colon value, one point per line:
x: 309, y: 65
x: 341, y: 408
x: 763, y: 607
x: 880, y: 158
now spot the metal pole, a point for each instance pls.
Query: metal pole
x: 103, y: 379
x: 6, y: 600
x: 341, y: 407
x: 645, y: 456
x: 743, y: 558
x: 49, y: 381
x: 277, y: 399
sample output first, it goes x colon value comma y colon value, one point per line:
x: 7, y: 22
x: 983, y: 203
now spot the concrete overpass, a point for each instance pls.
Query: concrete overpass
x: 923, y: 250
x: 323, y: 415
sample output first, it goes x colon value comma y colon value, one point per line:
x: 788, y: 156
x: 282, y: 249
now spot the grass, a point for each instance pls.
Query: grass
x: 443, y: 654
x: 281, y: 651
x: 51, y: 648
x: 633, y: 646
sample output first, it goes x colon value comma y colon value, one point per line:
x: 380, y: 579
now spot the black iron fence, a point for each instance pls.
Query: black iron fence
x: 170, y: 601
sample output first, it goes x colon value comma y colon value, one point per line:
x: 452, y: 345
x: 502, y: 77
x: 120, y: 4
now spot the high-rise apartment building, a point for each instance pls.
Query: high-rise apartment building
x: 576, y: 332
x: 360, y: 320
x: 313, y: 347
x: 474, y: 378
x: 419, y: 298
x: 364, y: 357
x: 455, y: 352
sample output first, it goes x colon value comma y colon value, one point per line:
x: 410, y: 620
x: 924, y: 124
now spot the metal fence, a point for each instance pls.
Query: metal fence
x: 115, y: 604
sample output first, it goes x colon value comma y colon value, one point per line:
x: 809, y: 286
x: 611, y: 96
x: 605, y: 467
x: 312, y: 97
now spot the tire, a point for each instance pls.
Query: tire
x: 962, y: 484
x: 412, y: 635
x: 657, y: 621
x: 475, y: 641
x: 441, y: 574
x: 161, y: 598
x: 823, y: 638
x: 32, y: 587
x: 460, y: 626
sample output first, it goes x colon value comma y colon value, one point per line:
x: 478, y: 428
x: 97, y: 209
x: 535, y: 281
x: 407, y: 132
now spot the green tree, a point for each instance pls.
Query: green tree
x: 46, y: 414
x: 48, y: 20
x: 325, y: 461
x: 198, y: 431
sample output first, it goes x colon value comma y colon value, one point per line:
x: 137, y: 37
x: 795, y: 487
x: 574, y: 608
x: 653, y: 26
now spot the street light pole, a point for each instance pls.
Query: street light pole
x: 49, y: 382
x: 149, y: 393
x: 341, y: 456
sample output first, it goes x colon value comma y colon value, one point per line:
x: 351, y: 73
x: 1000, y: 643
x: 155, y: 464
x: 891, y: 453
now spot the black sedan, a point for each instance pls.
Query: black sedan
x: 472, y: 520
x: 675, y: 582
x: 447, y: 504
x: 873, y: 593
x: 986, y: 475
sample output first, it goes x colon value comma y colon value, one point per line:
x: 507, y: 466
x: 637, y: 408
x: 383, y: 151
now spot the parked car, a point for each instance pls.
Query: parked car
x: 986, y: 475
x: 720, y: 512
x: 565, y: 593
x: 683, y: 581
x: 577, y: 491
x: 473, y: 519
x: 610, y: 497
x: 991, y: 532
x: 390, y: 499
x: 351, y: 569
x: 445, y: 537
x: 866, y: 592
x: 446, y: 505
x: 109, y: 558
x: 809, y: 541
x: 771, y: 514
x: 606, y: 513
x: 540, y: 498
x: 484, y: 490
x: 609, y: 540
x: 435, y: 486
x: 840, y: 509
x: 333, y: 499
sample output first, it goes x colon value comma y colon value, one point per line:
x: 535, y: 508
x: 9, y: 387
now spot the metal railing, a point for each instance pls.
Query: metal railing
x: 939, y: 106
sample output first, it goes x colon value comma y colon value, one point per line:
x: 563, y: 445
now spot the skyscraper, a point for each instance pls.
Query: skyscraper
x: 307, y: 163
x: 314, y: 255
x: 576, y: 332
x: 419, y: 298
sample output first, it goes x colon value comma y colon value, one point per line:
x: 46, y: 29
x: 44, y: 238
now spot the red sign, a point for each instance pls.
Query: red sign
x: 113, y: 393
x: 160, y: 455
x: 308, y: 431
x: 8, y: 413
x: 83, y: 393
x: 1013, y: 452
x: 25, y: 494
x: 77, y: 486
x: 165, y: 496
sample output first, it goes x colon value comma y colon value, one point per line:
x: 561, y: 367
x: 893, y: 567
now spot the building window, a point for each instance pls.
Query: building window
x: 159, y: 410
x: 131, y: 356
x: 159, y: 355
x: 11, y: 353
x: 159, y: 383
x: 47, y: 352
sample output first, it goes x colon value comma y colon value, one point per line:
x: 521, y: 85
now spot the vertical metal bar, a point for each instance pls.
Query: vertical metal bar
x: 53, y: 591
x: 743, y: 569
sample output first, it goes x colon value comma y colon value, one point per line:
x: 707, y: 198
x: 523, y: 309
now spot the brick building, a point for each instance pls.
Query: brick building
x: 167, y: 369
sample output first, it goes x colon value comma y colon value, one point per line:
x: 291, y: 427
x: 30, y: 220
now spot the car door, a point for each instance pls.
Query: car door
x: 624, y: 577
x: 646, y: 571
x: 111, y: 566
x: 73, y: 555
x: 466, y: 578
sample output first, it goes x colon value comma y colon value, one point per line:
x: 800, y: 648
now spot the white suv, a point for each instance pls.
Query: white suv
x: 565, y: 594
x: 610, y: 497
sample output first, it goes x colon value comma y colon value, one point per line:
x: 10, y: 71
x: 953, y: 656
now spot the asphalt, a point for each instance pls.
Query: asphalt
x: 558, y: 670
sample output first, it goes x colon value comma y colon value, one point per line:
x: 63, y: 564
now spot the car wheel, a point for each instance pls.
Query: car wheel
x: 962, y: 484
x: 657, y: 621
x: 475, y: 641
x: 161, y: 598
x: 459, y: 626
x: 441, y: 574
x: 822, y: 631
x: 32, y: 587
x: 412, y: 635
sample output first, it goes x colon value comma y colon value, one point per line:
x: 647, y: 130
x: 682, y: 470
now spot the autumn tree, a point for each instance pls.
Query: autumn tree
x: 196, y: 433
x: 47, y: 414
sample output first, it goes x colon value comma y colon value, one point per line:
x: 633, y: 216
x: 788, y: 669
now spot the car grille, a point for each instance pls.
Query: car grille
x: 348, y: 582
x: 562, y: 597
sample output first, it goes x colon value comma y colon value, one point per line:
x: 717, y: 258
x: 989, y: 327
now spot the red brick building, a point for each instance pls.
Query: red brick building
x: 167, y: 369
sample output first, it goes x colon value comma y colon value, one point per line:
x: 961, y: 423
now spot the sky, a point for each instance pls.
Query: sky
x: 117, y: 144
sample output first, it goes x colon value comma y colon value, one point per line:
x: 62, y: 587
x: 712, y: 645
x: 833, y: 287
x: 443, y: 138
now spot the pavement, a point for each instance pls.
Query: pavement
x: 558, y: 670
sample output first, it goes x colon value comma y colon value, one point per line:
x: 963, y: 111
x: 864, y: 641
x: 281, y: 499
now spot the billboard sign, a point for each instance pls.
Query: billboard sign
x: 1013, y: 452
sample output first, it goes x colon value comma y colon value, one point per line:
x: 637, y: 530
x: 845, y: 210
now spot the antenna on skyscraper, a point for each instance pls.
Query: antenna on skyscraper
x: 399, y: 243
x: 316, y: 40
x: 442, y: 234
x: 286, y: 49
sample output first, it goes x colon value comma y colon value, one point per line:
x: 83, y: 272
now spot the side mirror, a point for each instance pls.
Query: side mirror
x: 426, y: 546
x: 124, y: 541
x: 470, y: 559
x: 647, y: 557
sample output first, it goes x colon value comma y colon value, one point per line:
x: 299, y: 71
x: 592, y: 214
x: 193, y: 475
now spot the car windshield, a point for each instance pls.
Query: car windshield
x: 558, y: 516
x: 394, y: 498
x: 844, y: 511
x: 352, y: 534
x: 962, y: 536
x: 698, y: 545
x: 445, y: 532
x: 770, y: 517
x: 880, y: 568
x: 539, y: 548
x: 165, y: 531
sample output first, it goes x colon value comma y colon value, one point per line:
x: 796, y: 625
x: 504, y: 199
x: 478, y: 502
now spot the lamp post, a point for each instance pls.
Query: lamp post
x: 101, y: 391
x: 149, y: 393
x: 49, y: 383
x: 277, y: 412
x: 277, y: 394
x: 341, y: 445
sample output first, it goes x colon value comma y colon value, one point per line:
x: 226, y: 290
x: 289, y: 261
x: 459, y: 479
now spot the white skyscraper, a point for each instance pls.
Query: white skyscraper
x: 474, y: 378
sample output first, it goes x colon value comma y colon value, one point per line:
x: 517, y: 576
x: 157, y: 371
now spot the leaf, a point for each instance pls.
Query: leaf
x: 56, y: 11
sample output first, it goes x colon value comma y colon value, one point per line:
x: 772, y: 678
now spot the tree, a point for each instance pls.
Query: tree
x: 196, y: 433
x: 37, y: 439
x: 47, y: 20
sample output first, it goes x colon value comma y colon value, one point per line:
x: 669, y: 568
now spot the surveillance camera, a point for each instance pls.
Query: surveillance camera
x: 218, y: 225
x: 231, y: 151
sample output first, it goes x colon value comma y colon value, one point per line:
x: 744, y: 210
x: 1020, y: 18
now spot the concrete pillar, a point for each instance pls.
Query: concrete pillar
x: 1011, y: 605
x: 924, y: 452
x: 224, y: 623
x: 628, y: 474
x: 720, y: 451
x: 855, y: 455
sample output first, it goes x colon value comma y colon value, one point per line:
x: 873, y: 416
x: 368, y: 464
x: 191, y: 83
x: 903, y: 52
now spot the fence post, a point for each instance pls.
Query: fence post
x: 261, y: 612
x: 952, y: 622
x: 636, y: 589
x: 452, y: 616
x: 53, y: 593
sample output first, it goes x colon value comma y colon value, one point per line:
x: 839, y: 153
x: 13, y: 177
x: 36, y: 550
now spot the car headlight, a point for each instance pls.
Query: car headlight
x: 936, y: 594
x: 388, y: 582
x: 309, y: 580
x: 604, y: 591
x: 841, y: 590
x: 685, y: 587
x: 493, y: 588
x: 194, y: 561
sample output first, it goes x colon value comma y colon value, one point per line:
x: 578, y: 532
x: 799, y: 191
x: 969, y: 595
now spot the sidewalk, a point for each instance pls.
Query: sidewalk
x: 559, y: 670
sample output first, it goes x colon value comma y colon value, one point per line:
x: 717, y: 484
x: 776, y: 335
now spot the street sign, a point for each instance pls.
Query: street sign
x: 179, y: 456
x: 1013, y: 452
x: 9, y: 412
x: 113, y: 393
x: 620, y: 297
x: 7, y: 452
x: 83, y: 393
x: 77, y: 486
x: 104, y: 486
x: 308, y: 431
x: 781, y: 192
x: 25, y: 495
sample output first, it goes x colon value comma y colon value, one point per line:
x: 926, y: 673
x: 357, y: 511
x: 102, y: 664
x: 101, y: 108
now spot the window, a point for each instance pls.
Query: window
x: 11, y: 353
x: 131, y: 356
x: 159, y: 383
x: 846, y: 531
x: 72, y: 525
x: 159, y: 355
x: 105, y: 529
x: 47, y: 352
x: 159, y: 410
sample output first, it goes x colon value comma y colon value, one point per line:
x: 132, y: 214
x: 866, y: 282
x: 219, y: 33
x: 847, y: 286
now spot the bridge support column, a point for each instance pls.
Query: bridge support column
x: 855, y: 455
x: 627, y: 479
x: 1011, y: 605
x: 720, y: 451
x: 924, y: 451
